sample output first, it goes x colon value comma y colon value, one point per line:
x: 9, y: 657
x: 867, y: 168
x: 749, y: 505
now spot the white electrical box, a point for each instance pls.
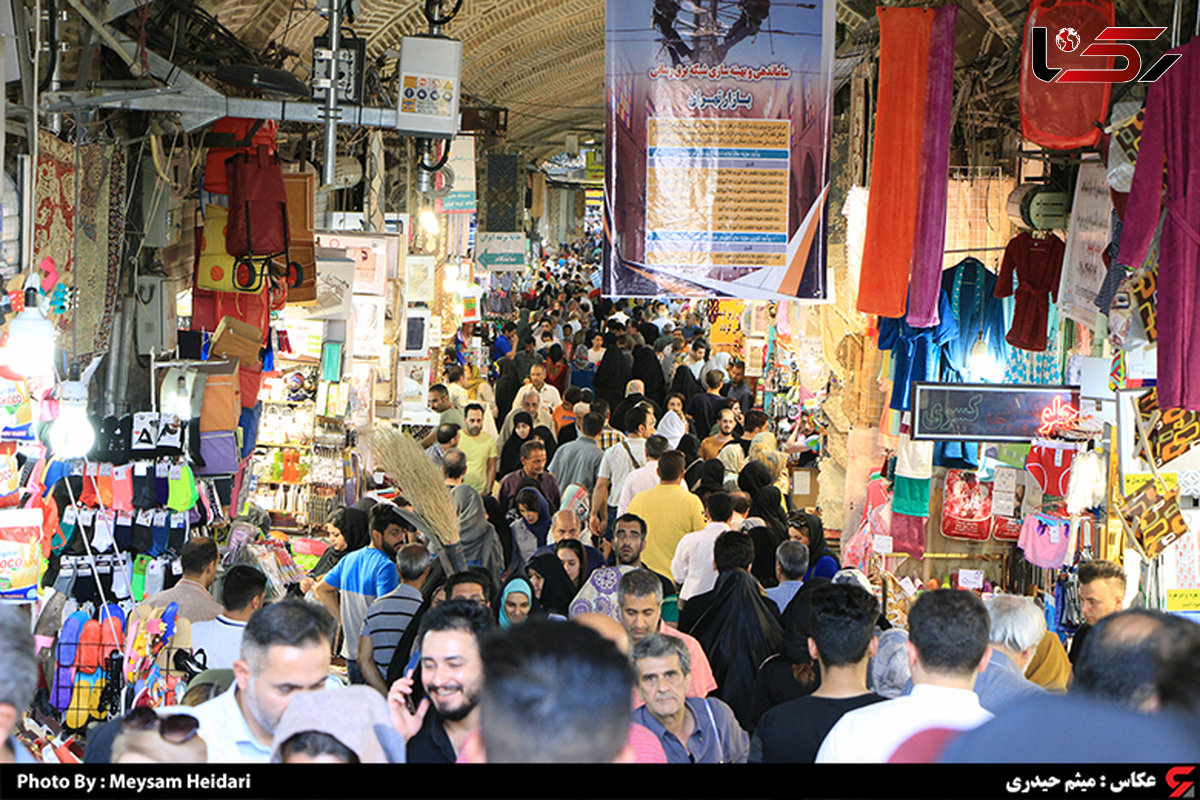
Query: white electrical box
x: 157, y: 326
x: 430, y: 85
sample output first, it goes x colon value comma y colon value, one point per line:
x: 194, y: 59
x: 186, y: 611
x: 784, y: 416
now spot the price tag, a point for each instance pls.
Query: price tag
x: 87, y: 516
x: 970, y: 579
x: 179, y: 520
x: 146, y: 517
x: 176, y: 567
x: 908, y: 586
x: 160, y: 519
x: 161, y: 469
x: 70, y: 516
x: 106, y: 470
x: 141, y: 469
x: 1055, y: 533
x: 77, y: 468
x: 176, y: 472
x: 883, y: 544
x: 93, y: 470
x: 125, y: 518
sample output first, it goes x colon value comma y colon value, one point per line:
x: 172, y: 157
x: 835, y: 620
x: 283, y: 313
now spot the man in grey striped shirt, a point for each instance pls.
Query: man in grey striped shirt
x: 390, y: 615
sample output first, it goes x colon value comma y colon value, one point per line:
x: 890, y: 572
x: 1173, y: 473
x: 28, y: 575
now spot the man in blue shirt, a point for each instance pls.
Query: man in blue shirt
x: 1016, y: 628
x: 692, y: 730
x: 791, y: 562
x: 504, y: 342
x: 350, y: 587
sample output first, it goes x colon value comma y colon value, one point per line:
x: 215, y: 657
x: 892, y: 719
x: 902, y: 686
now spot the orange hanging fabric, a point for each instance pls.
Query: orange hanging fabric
x: 896, y: 164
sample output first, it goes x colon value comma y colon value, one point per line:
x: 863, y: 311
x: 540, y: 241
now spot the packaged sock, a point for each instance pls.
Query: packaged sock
x: 102, y: 533
x: 170, y: 436
x: 143, y: 533
x: 123, y: 532
x: 182, y: 493
x: 144, y: 494
x: 177, y: 533
x: 67, y: 526
x: 121, y: 585
x: 122, y: 440
x: 88, y: 495
x: 122, y: 488
x: 144, y: 434
x: 137, y: 585
x: 160, y: 532
x: 85, y: 530
x: 104, y: 487
x: 162, y: 489
x: 154, y: 576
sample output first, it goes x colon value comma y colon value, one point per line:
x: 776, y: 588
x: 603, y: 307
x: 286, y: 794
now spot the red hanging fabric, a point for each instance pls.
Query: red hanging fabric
x: 896, y: 165
x: 1063, y: 116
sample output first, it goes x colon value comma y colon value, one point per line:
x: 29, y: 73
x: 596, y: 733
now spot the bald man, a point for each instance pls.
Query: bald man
x: 565, y: 525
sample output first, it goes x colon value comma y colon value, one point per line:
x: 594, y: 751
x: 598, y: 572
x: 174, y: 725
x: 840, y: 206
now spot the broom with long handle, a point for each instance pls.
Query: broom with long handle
x: 422, y: 483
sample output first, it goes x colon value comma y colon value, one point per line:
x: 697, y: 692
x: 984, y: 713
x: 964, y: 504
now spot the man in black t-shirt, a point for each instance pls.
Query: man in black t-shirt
x: 843, y: 640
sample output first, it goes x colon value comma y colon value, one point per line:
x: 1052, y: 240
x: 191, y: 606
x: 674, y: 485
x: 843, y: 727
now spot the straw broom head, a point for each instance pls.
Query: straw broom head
x: 419, y: 479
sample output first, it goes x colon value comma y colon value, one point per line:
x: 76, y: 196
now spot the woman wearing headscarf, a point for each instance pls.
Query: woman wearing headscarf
x: 738, y: 630
x: 575, y: 562
x: 353, y: 725
x: 508, y: 381
x: 548, y: 439
x: 809, y: 529
x: 510, y: 454
x: 712, y: 479
x: 693, y: 465
x: 766, y: 506
x: 792, y: 672
x: 1049, y: 668
x: 481, y: 544
x: 558, y: 372
x: 348, y: 530
x: 672, y: 427
x: 529, y: 521
x: 888, y: 672
x: 552, y: 588
x: 733, y: 458
x: 613, y: 374
x: 515, y: 602
x: 648, y: 370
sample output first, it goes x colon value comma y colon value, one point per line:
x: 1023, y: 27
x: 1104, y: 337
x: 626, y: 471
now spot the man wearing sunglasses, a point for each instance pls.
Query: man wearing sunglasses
x: 285, y: 650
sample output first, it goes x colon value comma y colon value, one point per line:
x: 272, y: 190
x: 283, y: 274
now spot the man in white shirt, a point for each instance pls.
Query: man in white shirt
x: 948, y: 633
x: 285, y: 650
x: 547, y: 393
x: 242, y: 593
x: 644, y: 477
x: 619, y: 461
x: 693, y: 566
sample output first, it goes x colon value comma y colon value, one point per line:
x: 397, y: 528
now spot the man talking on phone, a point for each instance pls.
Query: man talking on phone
x: 450, y: 677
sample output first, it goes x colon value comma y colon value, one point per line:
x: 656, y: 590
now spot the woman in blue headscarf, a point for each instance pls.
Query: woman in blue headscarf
x: 515, y: 602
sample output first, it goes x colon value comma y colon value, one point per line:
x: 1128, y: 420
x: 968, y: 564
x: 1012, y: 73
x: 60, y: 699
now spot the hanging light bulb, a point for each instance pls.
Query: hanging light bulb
x: 30, y: 349
x: 72, y: 435
x: 981, y: 365
x: 429, y: 221
x: 179, y: 402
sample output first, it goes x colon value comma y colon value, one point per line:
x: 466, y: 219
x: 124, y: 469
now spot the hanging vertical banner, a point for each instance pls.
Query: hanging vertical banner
x: 462, y: 161
x: 717, y: 140
x: 1083, y: 268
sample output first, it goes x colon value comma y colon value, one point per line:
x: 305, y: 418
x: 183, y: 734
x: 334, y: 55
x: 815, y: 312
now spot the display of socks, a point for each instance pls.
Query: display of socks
x: 160, y: 533
x: 102, y: 532
x: 123, y: 532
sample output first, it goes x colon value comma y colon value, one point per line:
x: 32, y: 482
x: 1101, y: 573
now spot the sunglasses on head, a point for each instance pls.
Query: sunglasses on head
x: 176, y: 728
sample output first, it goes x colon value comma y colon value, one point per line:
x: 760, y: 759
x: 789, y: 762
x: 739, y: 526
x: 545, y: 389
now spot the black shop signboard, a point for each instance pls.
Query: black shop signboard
x: 988, y: 412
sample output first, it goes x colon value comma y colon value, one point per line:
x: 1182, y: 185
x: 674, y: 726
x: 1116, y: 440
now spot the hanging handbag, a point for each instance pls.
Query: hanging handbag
x: 216, y: 270
x: 258, y: 223
x: 242, y: 136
